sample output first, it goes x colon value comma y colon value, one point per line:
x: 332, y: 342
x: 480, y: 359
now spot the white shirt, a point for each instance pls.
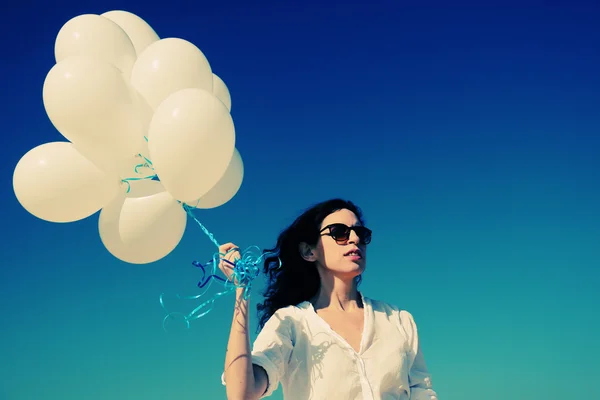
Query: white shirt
x: 300, y: 351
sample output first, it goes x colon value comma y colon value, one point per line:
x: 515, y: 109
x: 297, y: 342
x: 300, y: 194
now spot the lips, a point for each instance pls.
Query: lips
x: 354, y: 252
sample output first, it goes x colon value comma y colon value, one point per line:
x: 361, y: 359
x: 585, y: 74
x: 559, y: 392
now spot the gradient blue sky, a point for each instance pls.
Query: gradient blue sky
x: 468, y: 133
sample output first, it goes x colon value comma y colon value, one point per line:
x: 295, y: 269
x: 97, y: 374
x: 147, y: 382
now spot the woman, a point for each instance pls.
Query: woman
x: 321, y: 338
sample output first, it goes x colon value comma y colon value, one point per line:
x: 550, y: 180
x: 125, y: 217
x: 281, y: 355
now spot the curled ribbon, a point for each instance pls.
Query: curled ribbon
x: 244, y: 269
x: 146, y: 164
x: 243, y: 272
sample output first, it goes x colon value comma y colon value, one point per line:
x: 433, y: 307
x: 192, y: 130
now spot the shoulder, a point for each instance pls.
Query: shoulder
x: 284, y: 319
x: 293, y: 312
x: 386, y: 307
x: 395, y: 313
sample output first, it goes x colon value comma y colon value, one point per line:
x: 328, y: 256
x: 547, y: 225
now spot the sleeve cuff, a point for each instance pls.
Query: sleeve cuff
x: 270, y: 369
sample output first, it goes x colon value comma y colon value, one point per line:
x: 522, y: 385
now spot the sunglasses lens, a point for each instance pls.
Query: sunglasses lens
x: 363, y: 234
x: 340, y: 232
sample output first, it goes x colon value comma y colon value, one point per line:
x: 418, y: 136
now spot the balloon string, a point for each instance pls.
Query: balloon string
x: 189, y: 209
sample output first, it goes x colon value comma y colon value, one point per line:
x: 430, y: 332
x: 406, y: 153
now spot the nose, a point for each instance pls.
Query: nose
x: 353, y: 238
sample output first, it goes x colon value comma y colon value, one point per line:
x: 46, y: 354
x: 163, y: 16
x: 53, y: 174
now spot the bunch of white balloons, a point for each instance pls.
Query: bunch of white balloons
x: 131, y: 106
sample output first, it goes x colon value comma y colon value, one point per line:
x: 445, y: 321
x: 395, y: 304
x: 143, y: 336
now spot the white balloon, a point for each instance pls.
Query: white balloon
x: 138, y: 30
x: 191, y: 142
x: 91, y: 105
x: 54, y: 182
x: 95, y: 36
x: 221, y: 91
x: 226, y: 188
x: 141, y: 230
x: 169, y: 65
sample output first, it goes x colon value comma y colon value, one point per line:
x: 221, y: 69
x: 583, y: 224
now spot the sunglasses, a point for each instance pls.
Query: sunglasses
x: 341, y: 233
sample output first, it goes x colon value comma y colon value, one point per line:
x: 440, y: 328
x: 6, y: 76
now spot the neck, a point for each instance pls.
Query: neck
x: 336, y: 294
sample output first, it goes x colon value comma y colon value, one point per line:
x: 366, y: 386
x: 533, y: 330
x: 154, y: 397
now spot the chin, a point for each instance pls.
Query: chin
x: 349, y: 270
x: 358, y: 270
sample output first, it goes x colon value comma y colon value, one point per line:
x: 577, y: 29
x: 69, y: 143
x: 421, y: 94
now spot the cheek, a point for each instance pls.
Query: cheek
x: 330, y: 252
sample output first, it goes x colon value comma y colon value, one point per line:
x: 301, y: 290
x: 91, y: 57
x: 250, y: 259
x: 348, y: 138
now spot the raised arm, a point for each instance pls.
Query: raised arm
x: 244, y: 381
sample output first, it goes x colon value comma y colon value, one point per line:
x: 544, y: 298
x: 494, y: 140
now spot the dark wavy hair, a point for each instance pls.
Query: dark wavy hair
x: 296, y: 280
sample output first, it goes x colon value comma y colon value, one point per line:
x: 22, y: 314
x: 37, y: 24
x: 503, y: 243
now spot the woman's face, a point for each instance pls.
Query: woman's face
x: 342, y: 245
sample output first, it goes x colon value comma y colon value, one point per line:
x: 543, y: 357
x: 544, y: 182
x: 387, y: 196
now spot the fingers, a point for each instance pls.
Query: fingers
x: 224, y: 248
x: 229, y: 251
x: 229, y: 255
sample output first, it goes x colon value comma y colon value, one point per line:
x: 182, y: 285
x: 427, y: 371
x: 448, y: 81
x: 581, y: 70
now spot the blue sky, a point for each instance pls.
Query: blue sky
x: 467, y: 132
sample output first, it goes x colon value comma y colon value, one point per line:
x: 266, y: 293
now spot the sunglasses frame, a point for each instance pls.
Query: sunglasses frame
x: 364, y: 231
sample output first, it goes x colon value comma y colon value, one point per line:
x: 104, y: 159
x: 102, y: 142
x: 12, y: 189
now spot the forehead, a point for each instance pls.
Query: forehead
x: 343, y: 216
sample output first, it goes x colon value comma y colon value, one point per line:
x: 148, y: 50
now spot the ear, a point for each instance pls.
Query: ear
x: 307, y: 252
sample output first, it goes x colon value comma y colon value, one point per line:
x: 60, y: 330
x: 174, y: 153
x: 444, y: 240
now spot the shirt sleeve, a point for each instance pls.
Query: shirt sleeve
x: 272, y: 348
x: 419, y: 377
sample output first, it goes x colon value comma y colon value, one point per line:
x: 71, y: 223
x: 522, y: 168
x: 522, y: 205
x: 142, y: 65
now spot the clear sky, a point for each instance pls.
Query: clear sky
x: 467, y: 131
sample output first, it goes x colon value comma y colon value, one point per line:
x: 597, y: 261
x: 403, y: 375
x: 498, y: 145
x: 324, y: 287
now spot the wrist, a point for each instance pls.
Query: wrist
x: 239, y: 293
